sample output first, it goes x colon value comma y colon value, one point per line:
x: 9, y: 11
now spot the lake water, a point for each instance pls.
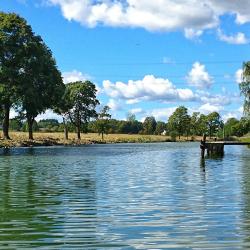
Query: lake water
x: 124, y: 196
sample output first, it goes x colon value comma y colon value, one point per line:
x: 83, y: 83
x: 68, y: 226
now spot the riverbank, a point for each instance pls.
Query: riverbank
x: 20, y: 139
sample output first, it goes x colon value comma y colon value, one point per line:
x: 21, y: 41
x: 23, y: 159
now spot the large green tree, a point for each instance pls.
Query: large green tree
x: 245, y: 87
x: 102, y: 123
x: 194, y: 123
x: 179, y: 121
x: 214, y: 123
x: 149, y: 125
x: 230, y: 127
x: 42, y: 86
x: 15, y: 37
x: 81, y: 103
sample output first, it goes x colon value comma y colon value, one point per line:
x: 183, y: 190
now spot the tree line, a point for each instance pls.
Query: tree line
x: 31, y: 83
x: 180, y: 123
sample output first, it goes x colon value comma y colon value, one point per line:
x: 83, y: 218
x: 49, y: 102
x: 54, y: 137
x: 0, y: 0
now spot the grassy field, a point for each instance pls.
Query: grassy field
x: 21, y: 139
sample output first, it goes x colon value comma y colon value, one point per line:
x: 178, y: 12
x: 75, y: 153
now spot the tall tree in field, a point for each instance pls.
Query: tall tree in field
x: 42, y: 86
x: 194, y: 123
x: 214, y: 122
x: 149, y: 125
x: 229, y: 127
x: 179, y: 121
x: 63, y: 108
x: 202, y: 125
x: 245, y: 87
x: 15, y: 37
x: 102, y: 123
x: 81, y: 96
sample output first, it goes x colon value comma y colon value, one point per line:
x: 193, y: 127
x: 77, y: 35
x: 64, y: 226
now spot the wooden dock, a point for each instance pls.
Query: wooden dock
x: 217, y: 147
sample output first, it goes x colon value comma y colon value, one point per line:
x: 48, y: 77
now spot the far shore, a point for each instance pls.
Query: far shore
x: 20, y: 139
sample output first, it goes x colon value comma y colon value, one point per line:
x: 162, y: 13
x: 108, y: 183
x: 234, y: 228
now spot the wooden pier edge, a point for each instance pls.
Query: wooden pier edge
x: 216, y: 148
x: 203, y: 146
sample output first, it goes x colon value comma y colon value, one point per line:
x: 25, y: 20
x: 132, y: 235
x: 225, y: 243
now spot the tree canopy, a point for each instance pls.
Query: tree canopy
x: 179, y: 121
x: 102, y: 123
x: 81, y: 103
x: 149, y: 125
x: 29, y: 77
x: 15, y: 37
x: 245, y: 87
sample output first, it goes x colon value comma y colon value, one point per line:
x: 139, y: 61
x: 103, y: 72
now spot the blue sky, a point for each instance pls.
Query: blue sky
x: 148, y: 57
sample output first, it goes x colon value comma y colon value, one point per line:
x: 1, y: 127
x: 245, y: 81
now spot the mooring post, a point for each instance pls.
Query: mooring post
x: 203, y: 146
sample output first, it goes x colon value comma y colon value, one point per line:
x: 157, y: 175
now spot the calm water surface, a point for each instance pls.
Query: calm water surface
x: 125, y: 196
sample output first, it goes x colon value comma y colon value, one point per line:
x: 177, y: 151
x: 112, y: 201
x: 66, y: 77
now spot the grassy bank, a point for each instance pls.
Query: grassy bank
x: 20, y: 139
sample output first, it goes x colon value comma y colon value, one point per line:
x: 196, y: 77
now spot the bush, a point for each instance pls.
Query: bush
x: 173, y: 135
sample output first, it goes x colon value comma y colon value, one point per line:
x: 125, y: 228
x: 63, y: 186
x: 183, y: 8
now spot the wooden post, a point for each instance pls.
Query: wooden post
x: 203, y: 146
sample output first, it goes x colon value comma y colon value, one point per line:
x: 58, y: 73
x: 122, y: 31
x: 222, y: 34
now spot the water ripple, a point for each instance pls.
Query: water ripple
x: 125, y: 196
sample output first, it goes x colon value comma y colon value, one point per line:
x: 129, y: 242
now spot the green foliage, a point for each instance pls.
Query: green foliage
x: 81, y: 101
x: 245, y: 87
x: 28, y: 74
x: 42, y: 86
x: 173, y: 135
x: 179, y: 121
x: 102, y: 123
x: 160, y: 127
x: 195, y: 123
x: 149, y: 125
x: 15, y: 124
x: 49, y: 125
x: 214, y: 123
x: 202, y: 125
x: 231, y: 127
x: 243, y: 127
x: 16, y: 37
x: 25, y: 127
x: 131, y: 117
x: 1, y: 115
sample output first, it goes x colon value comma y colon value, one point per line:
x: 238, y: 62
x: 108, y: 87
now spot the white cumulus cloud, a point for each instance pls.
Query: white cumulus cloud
x: 114, y: 105
x: 192, y: 34
x: 162, y: 114
x: 215, y: 99
x: 190, y: 16
x: 137, y: 111
x: 74, y: 76
x: 199, y: 77
x: 148, y: 89
x: 208, y: 108
x: 238, y: 38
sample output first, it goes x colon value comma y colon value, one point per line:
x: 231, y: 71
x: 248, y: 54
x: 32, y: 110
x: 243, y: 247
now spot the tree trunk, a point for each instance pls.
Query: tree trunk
x: 78, y: 128
x: 66, y: 132
x: 78, y: 131
x: 102, y: 136
x: 30, y: 127
x: 6, y: 121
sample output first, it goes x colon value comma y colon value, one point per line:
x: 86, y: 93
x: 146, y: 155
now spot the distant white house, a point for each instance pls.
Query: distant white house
x: 164, y: 132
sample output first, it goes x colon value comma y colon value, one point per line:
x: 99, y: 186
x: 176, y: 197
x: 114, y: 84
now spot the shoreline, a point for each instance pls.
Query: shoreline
x: 48, y: 143
x: 19, y: 139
